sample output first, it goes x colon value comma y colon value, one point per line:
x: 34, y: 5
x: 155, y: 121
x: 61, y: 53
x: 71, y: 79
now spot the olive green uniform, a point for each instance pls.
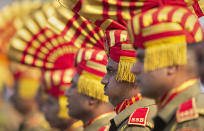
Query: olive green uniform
x: 34, y: 121
x: 10, y: 119
x: 101, y: 123
x: 166, y: 119
x: 120, y: 122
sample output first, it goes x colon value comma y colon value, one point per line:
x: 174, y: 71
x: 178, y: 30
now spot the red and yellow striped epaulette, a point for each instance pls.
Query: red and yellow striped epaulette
x: 139, y: 118
x: 187, y: 111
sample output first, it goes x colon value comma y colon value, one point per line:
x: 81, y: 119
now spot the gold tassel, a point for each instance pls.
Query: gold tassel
x: 27, y: 88
x: 124, y: 69
x: 90, y: 85
x: 63, y: 111
x: 164, y: 55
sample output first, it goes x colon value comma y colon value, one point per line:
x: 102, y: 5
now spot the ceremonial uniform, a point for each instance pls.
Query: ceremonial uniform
x: 118, y: 49
x: 34, y: 121
x: 138, y: 116
x: 184, y: 112
x: 162, y: 31
x: 91, y: 67
x: 10, y: 119
x: 40, y: 47
x: 100, y: 123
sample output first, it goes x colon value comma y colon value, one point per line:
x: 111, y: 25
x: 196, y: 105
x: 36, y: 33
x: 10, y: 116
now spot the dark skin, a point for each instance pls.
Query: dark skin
x: 24, y: 106
x: 51, y: 110
x: 83, y: 107
x: 117, y: 91
x: 154, y: 84
x: 200, y: 60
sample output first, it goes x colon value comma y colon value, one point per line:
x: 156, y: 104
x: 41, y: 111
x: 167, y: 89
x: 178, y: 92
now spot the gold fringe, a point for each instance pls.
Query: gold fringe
x: 63, y: 111
x: 165, y: 55
x: 124, y: 69
x: 90, y: 85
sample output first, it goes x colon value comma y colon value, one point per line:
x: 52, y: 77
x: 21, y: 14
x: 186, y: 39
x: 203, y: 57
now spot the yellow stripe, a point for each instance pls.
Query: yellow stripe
x: 136, y: 24
x: 161, y: 28
x: 112, y: 38
x: 100, y: 55
x: 127, y: 47
x: 88, y: 54
x: 178, y: 14
x: 105, y: 24
x: 190, y: 22
x: 199, y: 35
x: 123, y: 36
x: 163, y: 14
x: 79, y: 56
x: 96, y: 66
x: 169, y: 40
x: 147, y: 18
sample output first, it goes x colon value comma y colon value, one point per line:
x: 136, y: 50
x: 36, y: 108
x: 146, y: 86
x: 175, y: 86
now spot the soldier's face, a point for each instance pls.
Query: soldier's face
x: 78, y: 103
x: 151, y: 83
x: 51, y: 109
x: 200, y: 60
x: 116, y: 91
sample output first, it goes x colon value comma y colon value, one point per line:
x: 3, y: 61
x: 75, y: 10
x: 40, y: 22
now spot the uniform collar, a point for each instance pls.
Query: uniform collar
x: 128, y: 102
x: 169, y: 110
x: 99, y: 121
x: 122, y: 116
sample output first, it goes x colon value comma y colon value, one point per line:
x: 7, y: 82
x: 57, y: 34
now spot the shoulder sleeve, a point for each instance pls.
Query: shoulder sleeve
x: 139, y: 118
x: 191, y: 109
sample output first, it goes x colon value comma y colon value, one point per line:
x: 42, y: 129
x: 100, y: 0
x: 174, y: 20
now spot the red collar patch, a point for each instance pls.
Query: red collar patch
x: 139, y: 117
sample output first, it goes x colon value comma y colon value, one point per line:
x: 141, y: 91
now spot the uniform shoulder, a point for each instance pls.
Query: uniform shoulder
x: 141, y: 117
x: 191, y: 109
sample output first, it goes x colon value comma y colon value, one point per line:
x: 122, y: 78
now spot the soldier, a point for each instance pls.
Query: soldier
x: 120, y: 86
x: 27, y: 81
x: 10, y: 119
x: 120, y: 82
x: 55, y: 83
x: 199, y: 10
x: 51, y: 53
x: 166, y: 66
x: 86, y: 99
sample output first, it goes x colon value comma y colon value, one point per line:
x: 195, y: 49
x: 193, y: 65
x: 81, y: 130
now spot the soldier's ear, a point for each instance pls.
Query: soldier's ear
x: 93, y: 101
x: 171, y: 70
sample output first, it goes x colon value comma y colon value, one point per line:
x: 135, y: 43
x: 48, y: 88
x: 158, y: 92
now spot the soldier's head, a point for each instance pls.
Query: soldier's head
x: 86, y: 94
x: 164, y: 59
x: 55, y: 83
x: 27, y: 81
x: 119, y: 81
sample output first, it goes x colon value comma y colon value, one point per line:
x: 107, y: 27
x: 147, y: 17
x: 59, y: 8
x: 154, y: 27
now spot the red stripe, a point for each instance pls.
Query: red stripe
x: 77, y: 7
x: 162, y: 35
x: 69, y: 24
x: 105, y: 9
x: 42, y: 45
x: 119, y: 10
x: 171, y: 13
x: 196, y: 27
x: 30, y: 43
x: 79, y: 30
x: 197, y: 9
x: 99, y: 44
